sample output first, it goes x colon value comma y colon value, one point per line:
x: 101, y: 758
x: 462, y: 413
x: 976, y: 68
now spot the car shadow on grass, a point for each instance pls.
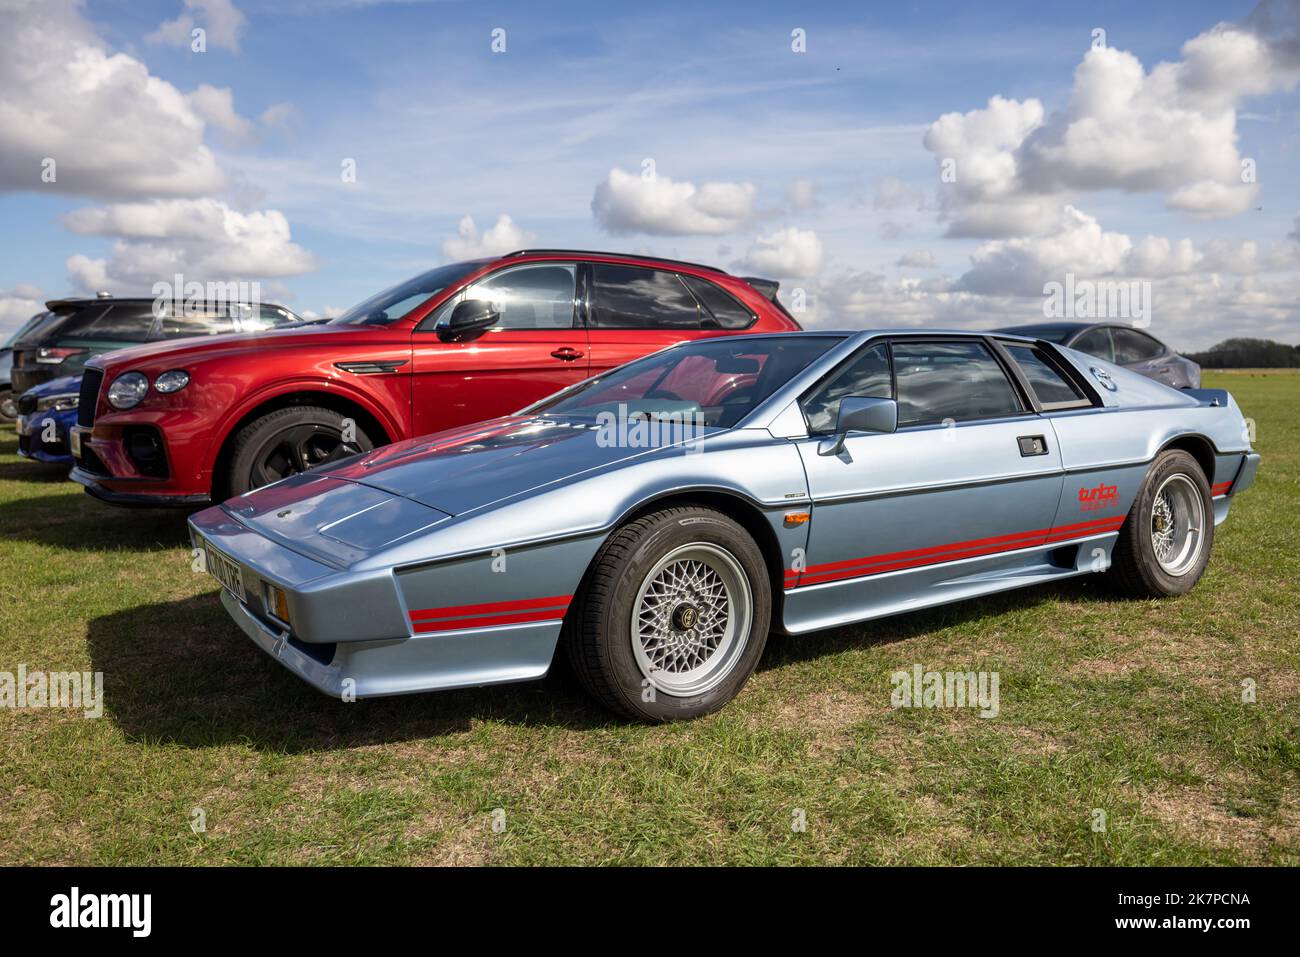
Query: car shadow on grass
x: 78, y: 521
x: 783, y: 650
x: 181, y: 672
x: 31, y: 470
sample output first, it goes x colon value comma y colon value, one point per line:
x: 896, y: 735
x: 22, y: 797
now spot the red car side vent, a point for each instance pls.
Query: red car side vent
x: 371, y: 366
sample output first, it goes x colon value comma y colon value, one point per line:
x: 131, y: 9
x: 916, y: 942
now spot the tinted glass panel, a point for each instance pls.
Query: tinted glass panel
x: 720, y: 379
x: 1095, y: 342
x: 727, y: 313
x: 950, y: 380
x: 122, y: 322
x: 1133, y: 346
x: 630, y: 298
x: 395, y: 302
x: 530, y: 297
x: 1049, y: 385
x: 194, y: 320
x: 262, y: 316
x: 866, y: 374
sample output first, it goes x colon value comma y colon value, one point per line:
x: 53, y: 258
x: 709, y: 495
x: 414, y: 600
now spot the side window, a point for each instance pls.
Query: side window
x: 535, y: 296
x: 866, y: 374
x: 950, y: 380
x: 725, y: 311
x: 629, y: 297
x: 1096, y: 342
x: 1131, y: 346
x: 121, y: 322
x: 253, y: 318
x: 1051, y: 387
x: 196, y: 320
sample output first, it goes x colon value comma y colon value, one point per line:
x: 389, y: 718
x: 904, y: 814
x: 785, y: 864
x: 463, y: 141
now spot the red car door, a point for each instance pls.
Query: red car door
x: 633, y: 311
x: 538, y: 347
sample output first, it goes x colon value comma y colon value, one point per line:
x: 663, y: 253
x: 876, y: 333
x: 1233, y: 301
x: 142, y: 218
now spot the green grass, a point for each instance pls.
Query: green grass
x: 1126, y: 706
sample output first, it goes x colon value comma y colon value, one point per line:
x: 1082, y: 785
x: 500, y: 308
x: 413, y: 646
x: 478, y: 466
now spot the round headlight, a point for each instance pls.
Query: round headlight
x: 172, y: 381
x: 127, y: 390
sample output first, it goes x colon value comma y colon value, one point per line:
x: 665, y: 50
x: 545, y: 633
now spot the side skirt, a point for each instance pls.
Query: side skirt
x: 836, y: 603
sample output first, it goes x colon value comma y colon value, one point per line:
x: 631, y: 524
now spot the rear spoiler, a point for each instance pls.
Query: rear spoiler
x: 1211, y: 397
x: 768, y: 288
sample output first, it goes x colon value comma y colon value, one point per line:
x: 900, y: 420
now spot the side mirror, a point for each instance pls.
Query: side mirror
x: 859, y: 413
x: 469, y: 316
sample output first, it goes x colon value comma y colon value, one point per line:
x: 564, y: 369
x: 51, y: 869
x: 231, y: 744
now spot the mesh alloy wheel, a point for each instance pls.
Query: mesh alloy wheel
x: 689, y: 610
x: 1177, y: 524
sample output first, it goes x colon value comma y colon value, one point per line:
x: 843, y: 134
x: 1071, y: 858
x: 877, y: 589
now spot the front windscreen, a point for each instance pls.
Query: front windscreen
x: 395, y: 302
x: 716, y: 381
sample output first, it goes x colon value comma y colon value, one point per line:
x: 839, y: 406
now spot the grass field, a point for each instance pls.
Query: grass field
x: 1134, y: 708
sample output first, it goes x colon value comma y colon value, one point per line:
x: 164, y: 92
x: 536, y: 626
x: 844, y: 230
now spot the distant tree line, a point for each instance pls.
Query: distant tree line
x: 1248, y: 354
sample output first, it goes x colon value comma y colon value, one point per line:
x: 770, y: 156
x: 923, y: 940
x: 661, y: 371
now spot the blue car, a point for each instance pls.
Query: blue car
x: 46, y: 415
x: 657, y: 521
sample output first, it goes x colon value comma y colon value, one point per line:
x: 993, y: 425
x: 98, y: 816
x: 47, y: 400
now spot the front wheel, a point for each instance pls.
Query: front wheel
x: 1164, y: 544
x: 288, y: 441
x: 673, y: 617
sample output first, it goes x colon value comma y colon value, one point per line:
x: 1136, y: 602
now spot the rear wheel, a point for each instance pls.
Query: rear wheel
x: 288, y: 441
x: 673, y: 617
x: 1165, y: 542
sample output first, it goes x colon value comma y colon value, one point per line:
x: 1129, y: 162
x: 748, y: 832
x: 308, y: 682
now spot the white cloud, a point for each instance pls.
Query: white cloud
x: 204, y: 239
x: 1171, y: 130
x: 801, y: 194
x: 216, y: 106
x: 893, y: 193
x: 221, y: 20
x: 918, y: 259
x: 786, y: 253
x: 630, y: 203
x: 278, y: 115
x: 1020, y: 266
x: 17, y: 305
x: 112, y: 129
x: 468, y: 243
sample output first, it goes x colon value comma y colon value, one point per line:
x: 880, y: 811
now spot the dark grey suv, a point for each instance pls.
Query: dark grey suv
x: 1122, y: 345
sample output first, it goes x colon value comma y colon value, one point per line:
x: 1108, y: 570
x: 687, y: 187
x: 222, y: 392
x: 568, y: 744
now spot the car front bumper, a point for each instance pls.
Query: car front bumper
x: 351, y: 633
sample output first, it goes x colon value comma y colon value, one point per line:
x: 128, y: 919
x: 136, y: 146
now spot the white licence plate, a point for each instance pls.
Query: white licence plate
x: 224, y: 570
x: 76, y: 444
x: 22, y: 426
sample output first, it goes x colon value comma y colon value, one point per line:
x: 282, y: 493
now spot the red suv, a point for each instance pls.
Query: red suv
x: 184, y: 423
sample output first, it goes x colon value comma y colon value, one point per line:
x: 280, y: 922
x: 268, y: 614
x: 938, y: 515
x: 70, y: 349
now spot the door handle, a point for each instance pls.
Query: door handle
x: 1032, y: 445
x: 567, y: 353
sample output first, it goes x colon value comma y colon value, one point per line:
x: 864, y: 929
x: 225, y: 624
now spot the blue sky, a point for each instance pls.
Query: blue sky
x: 820, y: 158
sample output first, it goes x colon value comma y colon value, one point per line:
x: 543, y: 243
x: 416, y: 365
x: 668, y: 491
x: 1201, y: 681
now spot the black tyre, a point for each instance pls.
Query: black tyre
x: 672, y: 617
x: 288, y: 441
x: 8, y: 405
x: 1164, y: 544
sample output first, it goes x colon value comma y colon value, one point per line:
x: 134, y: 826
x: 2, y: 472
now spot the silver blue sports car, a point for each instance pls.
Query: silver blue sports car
x: 658, y: 521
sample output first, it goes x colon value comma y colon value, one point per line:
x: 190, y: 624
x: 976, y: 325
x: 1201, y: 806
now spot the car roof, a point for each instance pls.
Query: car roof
x: 78, y: 302
x: 865, y: 334
x: 638, y: 257
x: 1061, y: 326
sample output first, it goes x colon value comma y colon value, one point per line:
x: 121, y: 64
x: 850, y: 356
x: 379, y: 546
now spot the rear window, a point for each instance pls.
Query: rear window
x: 1050, y: 385
x: 1131, y: 346
x: 115, y: 322
x: 725, y: 311
x: 632, y: 297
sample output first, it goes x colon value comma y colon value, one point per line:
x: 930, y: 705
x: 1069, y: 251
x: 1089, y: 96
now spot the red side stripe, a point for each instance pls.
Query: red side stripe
x: 491, y: 608
x: 894, y: 561
x: 454, y: 624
